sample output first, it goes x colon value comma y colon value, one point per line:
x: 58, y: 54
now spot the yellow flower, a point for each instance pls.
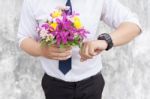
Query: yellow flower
x: 54, y: 25
x: 76, y: 18
x: 56, y: 13
x: 77, y: 22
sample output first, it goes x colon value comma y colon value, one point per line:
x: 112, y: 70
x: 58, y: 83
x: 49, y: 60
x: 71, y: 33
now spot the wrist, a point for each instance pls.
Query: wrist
x: 39, y: 50
x: 103, y: 44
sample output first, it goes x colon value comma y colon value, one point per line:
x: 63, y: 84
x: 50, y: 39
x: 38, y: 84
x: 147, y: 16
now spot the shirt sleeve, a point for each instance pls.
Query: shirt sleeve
x: 27, y: 24
x: 114, y: 13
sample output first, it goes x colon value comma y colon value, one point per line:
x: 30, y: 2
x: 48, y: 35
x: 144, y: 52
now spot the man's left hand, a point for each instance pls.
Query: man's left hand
x: 90, y: 49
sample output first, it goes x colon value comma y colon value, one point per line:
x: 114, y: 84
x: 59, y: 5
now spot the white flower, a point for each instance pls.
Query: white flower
x: 43, y: 33
x: 51, y: 36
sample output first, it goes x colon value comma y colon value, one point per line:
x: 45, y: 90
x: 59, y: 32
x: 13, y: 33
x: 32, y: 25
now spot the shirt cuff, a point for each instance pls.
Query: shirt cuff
x: 20, y: 41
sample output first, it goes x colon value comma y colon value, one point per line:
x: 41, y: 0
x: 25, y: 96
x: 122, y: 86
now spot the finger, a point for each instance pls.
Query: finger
x: 82, y: 59
x: 82, y: 56
x: 57, y: 58
x: 85, y: 52
x: 92, y: 51
x: 68, y: 48
x: 64, y: 54
x: 65, y: 49
x: 97, y: 51
x: 62, y: 58
x: 87, y: 48
x: 56, y: 49
x: 65, y: 58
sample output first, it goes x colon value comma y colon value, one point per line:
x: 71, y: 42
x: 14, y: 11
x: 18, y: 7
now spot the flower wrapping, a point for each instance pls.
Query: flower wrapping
x: 62, y: 29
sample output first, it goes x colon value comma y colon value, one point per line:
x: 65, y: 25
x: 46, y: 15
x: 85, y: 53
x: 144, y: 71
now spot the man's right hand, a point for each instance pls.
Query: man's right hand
x: 33, y: 48
x: 55, y: 53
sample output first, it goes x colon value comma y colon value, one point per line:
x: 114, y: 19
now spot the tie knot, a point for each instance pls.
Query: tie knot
x: 68, y: 3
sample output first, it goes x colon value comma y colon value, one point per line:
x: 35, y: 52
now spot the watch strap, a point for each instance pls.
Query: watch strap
x: 107, y: 38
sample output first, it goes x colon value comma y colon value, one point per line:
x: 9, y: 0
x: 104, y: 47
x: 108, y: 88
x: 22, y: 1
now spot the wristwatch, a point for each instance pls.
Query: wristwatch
x: 108, y: 39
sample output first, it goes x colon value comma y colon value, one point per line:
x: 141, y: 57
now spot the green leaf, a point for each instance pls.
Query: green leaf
x: 76, y: 38
x: 43, y: 43
x: 80, y: 45
x: 62, y: 46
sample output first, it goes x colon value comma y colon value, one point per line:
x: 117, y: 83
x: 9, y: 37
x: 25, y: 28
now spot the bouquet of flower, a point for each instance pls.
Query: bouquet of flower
x: 62, y: 29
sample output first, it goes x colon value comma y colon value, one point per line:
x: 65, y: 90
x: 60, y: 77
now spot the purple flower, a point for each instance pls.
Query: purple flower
x: 45, y: 26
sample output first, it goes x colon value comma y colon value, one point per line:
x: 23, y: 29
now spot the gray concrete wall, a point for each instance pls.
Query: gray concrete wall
x: 126, y: 69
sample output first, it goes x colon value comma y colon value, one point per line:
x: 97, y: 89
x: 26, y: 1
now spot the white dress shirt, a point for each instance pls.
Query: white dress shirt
x: 35, y: 12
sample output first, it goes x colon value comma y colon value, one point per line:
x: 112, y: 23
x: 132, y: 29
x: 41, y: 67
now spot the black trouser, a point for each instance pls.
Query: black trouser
x: 90, y: 88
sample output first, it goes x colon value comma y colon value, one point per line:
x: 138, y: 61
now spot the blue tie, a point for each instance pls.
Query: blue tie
x: 68, y: 3
x: 65, y: 65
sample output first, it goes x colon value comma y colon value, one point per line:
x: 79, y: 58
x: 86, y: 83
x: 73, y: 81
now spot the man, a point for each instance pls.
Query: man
x: 82, y: 80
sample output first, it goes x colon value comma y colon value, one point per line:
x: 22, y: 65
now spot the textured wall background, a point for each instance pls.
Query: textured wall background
x: 126, y: 69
